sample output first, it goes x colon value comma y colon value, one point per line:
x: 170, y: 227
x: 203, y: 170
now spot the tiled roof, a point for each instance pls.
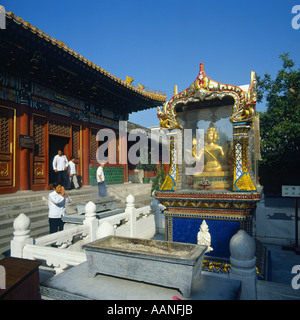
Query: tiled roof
x: 60, y: 44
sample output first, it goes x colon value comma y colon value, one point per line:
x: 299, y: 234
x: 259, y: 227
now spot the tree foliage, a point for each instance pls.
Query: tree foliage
x: 159, y: 179
x: 280, y: 126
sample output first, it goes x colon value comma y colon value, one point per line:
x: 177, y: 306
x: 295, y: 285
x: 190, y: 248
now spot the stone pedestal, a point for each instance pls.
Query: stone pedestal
x: 243, y: 261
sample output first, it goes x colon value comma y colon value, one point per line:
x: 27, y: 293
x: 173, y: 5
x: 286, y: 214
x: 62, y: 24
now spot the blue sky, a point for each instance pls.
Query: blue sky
x: 161, y: 43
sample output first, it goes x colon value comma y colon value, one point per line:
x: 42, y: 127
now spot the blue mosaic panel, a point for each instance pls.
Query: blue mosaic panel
x: 221, y: 231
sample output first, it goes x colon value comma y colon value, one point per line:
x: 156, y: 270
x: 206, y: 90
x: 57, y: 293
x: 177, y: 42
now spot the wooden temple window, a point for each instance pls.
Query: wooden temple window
x: 58, y: 128
x: 93, y: 144
x: 75, y: 140
x: 5, y: 125
x: 40, y: 149
x: 39, y: 124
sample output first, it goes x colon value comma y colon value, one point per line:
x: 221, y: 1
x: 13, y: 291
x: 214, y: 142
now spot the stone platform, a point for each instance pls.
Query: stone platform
x: 75, y: 284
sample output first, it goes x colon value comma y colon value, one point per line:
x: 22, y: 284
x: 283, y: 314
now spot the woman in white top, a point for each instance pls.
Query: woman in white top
x: 57, y: 200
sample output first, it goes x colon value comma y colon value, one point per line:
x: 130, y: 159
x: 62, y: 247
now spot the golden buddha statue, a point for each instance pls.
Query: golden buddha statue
x: 216, y: 168
x: 212, y: 151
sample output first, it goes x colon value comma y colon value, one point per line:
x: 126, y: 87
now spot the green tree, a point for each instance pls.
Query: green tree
x: 159, y: 179
x: 280, y: 127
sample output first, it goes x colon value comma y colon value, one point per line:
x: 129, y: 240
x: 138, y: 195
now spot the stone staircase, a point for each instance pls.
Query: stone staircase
x: 35, y: 206
x: 36, y: 209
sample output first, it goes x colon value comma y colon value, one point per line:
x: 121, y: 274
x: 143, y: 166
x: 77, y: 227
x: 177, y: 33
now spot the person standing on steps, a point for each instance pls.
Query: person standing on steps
x: 102, y: 192
x: 72, y: 174
x: 60, y: 166
x: 57, y: 201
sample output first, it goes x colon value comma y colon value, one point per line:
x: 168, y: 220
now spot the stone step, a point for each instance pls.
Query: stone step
x: 13, y: 209
x: 12, y: 214
x: 37, y: 229
x: 37, y: 216
x: 83, y: 198
x: 22, y: 205
x: 17, y: 198
x: 30, y: 196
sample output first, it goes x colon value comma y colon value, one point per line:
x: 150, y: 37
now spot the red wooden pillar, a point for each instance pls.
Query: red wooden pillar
x: 24, y: 166
x: 85, y: 155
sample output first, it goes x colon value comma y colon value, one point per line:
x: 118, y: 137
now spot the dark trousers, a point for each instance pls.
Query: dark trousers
x: 102, y: 192
x: 62, y: 178
x: 56, y: 224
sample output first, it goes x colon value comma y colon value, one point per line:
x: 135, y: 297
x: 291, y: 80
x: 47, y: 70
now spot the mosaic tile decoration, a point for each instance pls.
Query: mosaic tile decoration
x: 239, y: 196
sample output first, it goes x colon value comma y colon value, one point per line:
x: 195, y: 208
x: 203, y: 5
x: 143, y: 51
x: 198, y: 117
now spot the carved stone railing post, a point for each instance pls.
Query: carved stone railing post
x: 21, y: 237
x: 243, y: 264
x: 131, y: 211
x: 158, y: 208
x: 90, y: 220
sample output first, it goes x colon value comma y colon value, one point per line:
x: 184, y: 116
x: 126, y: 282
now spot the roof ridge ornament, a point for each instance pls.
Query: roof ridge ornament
x: 202, y: 74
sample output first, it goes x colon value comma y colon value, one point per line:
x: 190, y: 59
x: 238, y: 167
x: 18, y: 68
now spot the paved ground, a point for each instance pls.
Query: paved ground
x: 282, y: 262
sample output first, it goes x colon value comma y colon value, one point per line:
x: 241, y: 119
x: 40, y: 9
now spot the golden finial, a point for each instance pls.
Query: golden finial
x: 175, y: 90
x: 141, y: 86
x: 129, y: 80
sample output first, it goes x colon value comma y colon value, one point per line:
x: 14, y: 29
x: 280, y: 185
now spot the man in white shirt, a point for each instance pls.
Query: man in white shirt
x: 72, y: 173
x: 102, y: 192
x: 60, y: 166
x: 57, y: 200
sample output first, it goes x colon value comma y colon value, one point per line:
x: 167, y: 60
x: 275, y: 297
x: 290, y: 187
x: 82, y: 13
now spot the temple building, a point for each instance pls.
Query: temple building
x: 52, y: 97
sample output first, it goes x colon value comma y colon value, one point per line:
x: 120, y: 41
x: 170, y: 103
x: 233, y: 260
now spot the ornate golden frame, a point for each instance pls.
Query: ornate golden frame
x: 243, y: 113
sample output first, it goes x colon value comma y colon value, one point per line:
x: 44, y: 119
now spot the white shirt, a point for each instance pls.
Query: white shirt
x: 60, y: 162
x: 72, y: 167
x: 100, y: 173
x: 57, y: 205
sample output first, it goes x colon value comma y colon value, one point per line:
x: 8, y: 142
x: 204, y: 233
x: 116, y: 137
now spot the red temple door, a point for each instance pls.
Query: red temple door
x: 7, y: 147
